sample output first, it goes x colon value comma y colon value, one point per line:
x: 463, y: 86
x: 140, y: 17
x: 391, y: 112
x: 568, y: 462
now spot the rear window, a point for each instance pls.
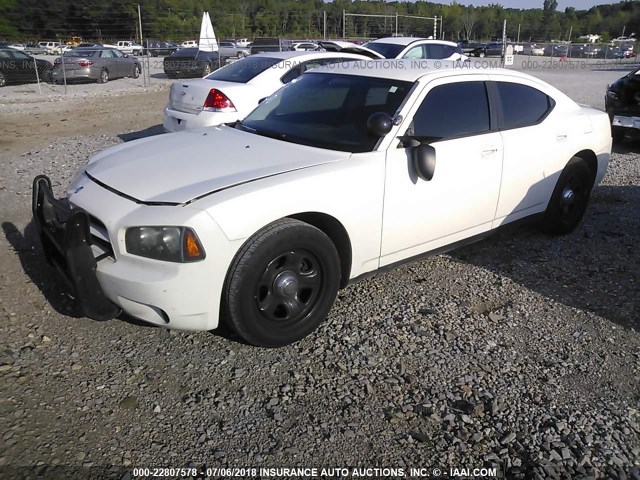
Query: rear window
x: 80, y: 52
x: 244, y: 70
x: 387, y: 50
x: 522, y: 106
x: 187, y: 52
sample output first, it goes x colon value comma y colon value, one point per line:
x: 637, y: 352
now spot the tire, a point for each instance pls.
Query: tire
x: 281, y: 284
x: 3, y: 80
x: 569, y: 199
x: 136, y: 71
x: 206, y: 70
x: 617, y: 134
x: 47, y: 75
x: 103, y: 77
x: 482, y: 55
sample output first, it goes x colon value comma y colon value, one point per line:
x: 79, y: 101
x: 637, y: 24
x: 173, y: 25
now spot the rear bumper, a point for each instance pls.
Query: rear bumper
x: 177, y: 121
x: 626, y: 121
x: 66, y: 241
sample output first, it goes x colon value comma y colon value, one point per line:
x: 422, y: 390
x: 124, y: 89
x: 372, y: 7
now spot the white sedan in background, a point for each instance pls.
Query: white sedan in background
x: 349, y: 170
x: 230, y: 93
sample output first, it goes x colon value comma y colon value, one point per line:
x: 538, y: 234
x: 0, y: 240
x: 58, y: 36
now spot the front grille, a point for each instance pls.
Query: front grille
x: 101, y: 243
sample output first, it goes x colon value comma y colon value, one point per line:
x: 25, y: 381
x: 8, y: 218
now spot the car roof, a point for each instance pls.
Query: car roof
x: 413, y: 70
x: 311, y: 55
x: 410, y: 40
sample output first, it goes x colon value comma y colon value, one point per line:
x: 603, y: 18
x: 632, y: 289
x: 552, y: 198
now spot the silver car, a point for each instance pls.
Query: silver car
x: 100, y: 64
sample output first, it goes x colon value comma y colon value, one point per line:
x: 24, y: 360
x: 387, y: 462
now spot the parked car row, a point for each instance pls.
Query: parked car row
x: 80, y: 64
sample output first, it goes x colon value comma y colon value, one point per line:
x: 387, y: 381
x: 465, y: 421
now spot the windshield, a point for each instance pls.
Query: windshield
x: 387, y: 50
x: 327, y: 110
x: 243, y: 70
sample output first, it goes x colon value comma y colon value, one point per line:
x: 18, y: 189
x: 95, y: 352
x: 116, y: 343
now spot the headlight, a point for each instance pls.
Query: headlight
x: 171, y: 244
x: 611, y: 94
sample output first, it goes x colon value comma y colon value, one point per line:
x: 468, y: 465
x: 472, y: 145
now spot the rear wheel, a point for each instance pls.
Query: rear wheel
x: 3, y: 81
x: 103, y: 77
x: 136, y: 71
x: 569, y: 199
x: 282, y: 284
x: 206, y: 70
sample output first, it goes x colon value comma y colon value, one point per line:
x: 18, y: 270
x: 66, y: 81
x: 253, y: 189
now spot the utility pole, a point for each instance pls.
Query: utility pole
x: 324, y: 12
x: 435, y: 27
x: 140, y: 24
x: 344, y: 24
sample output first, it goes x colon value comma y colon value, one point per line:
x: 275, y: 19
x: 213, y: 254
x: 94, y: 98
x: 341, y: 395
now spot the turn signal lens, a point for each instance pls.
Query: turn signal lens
x: 192, y: 249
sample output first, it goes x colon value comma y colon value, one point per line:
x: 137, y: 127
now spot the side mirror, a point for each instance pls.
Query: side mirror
x: 126, y: 55
x: 379, y: 123
x: 424, y: 161
x: 261, y: 100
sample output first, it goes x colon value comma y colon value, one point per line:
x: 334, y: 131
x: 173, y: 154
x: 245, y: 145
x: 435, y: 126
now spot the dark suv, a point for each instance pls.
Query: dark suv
x: 270, y: 44
x: 155, y: 48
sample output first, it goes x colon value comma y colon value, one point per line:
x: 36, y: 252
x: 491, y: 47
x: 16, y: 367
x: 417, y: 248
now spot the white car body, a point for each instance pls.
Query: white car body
x: 185, y: 111
x: 228, y: 184
x: 189, y: 44
x: 243, y: 42
x: 416, y: 48
x: 17, y: 46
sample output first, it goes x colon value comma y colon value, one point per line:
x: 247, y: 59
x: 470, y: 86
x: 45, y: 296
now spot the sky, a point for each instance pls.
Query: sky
x: 562, y: 4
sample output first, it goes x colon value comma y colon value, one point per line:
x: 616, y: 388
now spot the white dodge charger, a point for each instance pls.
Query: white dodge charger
x: 343, y: 172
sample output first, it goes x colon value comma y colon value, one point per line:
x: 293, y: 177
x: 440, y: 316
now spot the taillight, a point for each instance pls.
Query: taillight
x: 85, y: 63
x: 218, y: 102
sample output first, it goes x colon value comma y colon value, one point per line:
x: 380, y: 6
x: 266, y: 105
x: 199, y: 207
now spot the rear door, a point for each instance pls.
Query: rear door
x: 532, y: 139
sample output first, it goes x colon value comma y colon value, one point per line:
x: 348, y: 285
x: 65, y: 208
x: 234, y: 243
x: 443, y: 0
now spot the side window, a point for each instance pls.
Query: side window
x: 117, y: 53
x: 453, y: 110
x: 522, y: 106
x: 415, y: 52
x: 106, y: 54
x: 436, y: 52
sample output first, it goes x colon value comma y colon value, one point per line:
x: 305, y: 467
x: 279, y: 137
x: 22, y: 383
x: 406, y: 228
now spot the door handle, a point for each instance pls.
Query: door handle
x: 489, y: 151
x: 561, y: 137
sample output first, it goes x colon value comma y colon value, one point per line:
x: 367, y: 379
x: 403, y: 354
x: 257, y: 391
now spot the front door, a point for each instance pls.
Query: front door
x: 460, y: 200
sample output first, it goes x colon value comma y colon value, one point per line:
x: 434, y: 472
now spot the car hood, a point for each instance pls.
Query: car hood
x: 177, y: 168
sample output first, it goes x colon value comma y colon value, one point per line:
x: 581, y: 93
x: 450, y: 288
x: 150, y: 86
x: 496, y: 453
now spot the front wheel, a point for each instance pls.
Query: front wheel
x: 282, y: 284
x: 482, y: 55
x: 136, y: 71
x: 3, y: 80
x: 569, y: 199
x: 206, y: 70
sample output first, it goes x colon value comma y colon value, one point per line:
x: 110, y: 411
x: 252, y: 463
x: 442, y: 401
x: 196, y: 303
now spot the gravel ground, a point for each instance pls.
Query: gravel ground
x: 520, y: 352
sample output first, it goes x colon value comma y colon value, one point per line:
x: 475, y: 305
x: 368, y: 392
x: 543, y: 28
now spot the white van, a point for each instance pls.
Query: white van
x: 53, y: 48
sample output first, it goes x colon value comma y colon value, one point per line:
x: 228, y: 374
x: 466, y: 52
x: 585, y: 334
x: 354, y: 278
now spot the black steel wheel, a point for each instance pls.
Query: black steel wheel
x: 136, y: 71
x: 282, y: 284
x: 3, y: 80
x: 569, y: 199
x: 103, y: 77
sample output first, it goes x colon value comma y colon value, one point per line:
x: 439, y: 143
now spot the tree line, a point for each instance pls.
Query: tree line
x: 110, y: 20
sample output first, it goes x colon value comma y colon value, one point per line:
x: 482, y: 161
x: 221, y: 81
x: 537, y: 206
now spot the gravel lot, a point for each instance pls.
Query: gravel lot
x: 520, y: 352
